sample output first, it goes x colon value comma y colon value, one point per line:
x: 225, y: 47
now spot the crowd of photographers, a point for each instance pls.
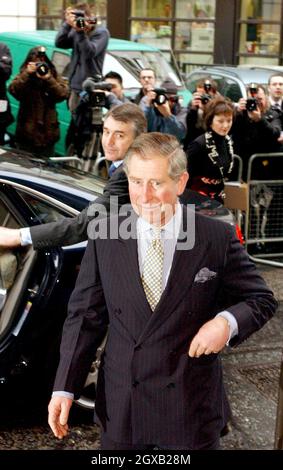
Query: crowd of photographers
x: 256, y: 123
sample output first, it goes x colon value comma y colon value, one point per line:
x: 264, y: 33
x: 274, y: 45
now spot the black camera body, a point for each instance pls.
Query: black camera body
x: 42, y: 68
x: 161, y: 96
x: 205, y: 98
x: 251, y: 104
x: 81, y: 19
x: 96, y: 98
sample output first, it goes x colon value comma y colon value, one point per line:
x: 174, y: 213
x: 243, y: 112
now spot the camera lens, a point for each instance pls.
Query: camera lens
x: 80, y: 23
x: 251, y: 104
x: 42, y: 68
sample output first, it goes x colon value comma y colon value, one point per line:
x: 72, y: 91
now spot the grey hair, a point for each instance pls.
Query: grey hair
x: 156, y: 144
x: 129, y: 113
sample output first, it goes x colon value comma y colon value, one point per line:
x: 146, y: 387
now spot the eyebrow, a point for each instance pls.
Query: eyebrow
x: 117, y: 131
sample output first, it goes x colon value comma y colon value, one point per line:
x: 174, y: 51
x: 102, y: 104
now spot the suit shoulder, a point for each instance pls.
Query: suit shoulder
x: 208, y: 223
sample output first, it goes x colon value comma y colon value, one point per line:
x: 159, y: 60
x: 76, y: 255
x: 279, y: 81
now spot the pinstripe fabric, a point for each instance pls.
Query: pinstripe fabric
x: 149, y: 390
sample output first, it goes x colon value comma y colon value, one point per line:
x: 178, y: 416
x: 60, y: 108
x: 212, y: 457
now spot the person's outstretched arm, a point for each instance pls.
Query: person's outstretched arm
x: 10, y: 237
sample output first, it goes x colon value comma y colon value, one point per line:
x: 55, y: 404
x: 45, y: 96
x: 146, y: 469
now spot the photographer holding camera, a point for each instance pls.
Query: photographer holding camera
x: 38, y: 88
x: 6, y: 117
x: 88, y: 42
x: 206, y: 89
x: 163, y: 111
x: 256, y: 128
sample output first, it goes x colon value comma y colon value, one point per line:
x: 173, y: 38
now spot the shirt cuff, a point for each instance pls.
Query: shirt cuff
x: 233, y: 324
x: 25, y: 236
x: 63, y: 394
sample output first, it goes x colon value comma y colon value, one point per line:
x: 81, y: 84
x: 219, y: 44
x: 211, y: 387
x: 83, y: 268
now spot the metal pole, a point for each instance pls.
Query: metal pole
x: 278, y: 444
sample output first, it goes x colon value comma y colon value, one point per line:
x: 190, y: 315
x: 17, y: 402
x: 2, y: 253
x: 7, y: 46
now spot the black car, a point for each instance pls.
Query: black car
x: 34, y: 300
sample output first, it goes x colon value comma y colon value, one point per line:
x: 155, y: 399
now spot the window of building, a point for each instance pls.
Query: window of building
x: 185, y: 26
x: 260, y: 28
x: 51, y: 12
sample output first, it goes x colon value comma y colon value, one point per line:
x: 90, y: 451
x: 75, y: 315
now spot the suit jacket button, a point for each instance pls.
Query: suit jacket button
x: 171, y: 385
x: 135, y: 383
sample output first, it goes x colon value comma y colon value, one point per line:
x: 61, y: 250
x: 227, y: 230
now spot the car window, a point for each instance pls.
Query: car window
x: 134, y: 61
x: 45, y: 212
x: 62, y: 63
x: 225, y: 85
x: 6, y: 218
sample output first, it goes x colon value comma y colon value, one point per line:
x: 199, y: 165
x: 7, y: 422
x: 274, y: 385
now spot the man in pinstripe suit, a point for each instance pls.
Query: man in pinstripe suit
x: 160, y: 382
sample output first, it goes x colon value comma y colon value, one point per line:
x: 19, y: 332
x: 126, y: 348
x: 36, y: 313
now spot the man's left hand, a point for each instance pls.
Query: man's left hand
x: 211, y: 337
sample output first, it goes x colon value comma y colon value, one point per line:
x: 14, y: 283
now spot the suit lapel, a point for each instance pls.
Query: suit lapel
x: 131, y: 272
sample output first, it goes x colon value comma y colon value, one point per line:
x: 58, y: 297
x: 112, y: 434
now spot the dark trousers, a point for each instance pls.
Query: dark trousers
x: 108, y: 444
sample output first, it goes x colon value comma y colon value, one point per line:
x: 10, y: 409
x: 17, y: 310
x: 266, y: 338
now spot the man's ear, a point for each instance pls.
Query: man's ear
x: 184, y: 178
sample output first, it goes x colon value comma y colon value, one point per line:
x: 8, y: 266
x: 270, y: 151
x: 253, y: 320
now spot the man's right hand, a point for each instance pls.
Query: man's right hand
x: 10, y: 237
x: 58, y: 414
x: 196, y: 101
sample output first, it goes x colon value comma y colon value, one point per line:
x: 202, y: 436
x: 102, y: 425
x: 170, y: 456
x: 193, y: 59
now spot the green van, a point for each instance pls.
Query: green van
x: 124, y: 57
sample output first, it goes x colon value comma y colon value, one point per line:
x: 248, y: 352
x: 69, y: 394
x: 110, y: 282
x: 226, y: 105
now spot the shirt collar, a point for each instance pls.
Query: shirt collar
x: 275, y: 103
x: 117, y: 163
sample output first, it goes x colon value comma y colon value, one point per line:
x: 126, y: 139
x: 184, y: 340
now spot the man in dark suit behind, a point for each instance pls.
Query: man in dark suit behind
x: 160, y: 381
x: 121, y: 125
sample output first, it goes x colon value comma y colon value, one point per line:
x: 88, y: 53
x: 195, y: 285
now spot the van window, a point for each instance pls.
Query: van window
x: 126, y: 69
x: 62, y: 63
x: 134, y: 61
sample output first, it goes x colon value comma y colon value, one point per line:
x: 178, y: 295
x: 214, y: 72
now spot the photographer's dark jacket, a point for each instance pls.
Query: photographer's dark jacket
x: 250, y: 137
x: 87, y: 55
x: 37, y: 123
x: 6, y: 117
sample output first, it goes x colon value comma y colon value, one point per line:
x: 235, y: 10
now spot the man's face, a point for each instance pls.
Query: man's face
x: 116, y: 138
x: 116, y: 87
x: 275, y: 88
x: 147, y: 79
x: 153, y: 193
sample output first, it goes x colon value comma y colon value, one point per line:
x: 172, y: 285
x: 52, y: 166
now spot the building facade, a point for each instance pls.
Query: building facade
x: 199, y: 32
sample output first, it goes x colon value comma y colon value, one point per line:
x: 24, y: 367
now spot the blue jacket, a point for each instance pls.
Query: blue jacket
x: 174, y: 124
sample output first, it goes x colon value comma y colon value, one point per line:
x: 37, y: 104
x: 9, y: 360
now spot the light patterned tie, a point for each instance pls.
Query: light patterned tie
x: 152, y: 270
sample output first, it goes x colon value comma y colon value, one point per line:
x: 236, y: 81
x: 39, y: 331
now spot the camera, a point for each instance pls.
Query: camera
x: 207, y: 86
x: 205, y: 98
x: 251, y: 104
x: 81, y: 19
x: 161, y: 97
x: 96, y: 98
x: 42, y: 68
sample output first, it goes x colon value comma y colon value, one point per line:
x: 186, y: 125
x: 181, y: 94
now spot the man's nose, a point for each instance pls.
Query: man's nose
x: 110, y: 139
x: 146, y: 193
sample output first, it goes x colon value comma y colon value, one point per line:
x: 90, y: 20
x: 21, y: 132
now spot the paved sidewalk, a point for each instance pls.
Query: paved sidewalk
x: 252, y: 375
